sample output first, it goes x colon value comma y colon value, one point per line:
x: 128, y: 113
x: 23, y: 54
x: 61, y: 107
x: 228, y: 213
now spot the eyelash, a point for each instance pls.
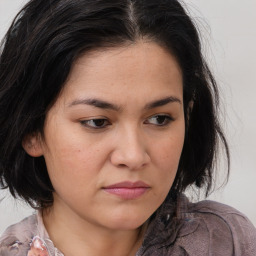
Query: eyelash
x: 103, y: 122
x: 167, y: 119
x: 86, y: 123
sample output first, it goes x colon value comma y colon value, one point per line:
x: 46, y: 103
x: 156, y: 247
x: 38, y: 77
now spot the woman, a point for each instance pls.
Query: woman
x: 108, y: 113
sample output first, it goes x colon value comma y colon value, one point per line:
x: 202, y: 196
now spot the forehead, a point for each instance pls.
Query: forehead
x: 124, y: 73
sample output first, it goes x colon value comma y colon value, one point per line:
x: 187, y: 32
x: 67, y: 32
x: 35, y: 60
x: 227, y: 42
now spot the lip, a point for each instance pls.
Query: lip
x: 128, y: 190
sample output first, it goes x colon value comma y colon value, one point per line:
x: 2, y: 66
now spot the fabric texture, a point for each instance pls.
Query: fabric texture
x: 177, y: 228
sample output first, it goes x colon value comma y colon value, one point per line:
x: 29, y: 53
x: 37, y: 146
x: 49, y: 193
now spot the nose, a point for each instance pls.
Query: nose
x: 130, y: 151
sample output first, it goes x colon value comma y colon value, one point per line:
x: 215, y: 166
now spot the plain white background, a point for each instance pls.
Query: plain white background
x: 229, y: 37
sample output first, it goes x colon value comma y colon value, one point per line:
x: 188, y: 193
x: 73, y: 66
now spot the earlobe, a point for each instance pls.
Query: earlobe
x: 32, y: 145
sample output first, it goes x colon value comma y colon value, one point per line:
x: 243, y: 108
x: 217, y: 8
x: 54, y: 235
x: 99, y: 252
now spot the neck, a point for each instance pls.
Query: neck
x: 74, y: 236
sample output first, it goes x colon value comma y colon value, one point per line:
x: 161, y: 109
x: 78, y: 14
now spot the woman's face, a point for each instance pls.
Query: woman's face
x: 113, y: 139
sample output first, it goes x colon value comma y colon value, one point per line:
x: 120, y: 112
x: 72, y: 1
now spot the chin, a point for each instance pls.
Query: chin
x: 127, y: 222
x: 126, y: 226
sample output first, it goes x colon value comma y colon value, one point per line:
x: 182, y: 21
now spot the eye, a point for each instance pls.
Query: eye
x: 95, y: 123
x: 159, y: 120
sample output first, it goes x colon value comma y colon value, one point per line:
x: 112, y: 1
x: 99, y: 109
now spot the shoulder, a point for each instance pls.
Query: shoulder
x: 217, y: 228
x: 16, y: 240
x: 21, y: 230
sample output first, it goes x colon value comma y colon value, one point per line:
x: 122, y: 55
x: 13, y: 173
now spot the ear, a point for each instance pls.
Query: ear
x: 32, y: 144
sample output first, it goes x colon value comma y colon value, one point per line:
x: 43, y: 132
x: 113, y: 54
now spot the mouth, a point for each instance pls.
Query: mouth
x: 127, y: 190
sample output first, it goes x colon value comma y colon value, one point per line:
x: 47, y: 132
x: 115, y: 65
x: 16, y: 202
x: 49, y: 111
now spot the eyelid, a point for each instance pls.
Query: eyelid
x: 84, y: 123
x: 168, y: 117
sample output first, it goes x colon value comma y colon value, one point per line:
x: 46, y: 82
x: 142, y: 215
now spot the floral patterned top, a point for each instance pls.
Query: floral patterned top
x: 177, y: 228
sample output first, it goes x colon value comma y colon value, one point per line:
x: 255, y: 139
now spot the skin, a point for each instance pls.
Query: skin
x: 131, y: 143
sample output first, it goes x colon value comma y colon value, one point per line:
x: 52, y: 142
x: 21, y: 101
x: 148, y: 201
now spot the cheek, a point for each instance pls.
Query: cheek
x: 168, y: 152
x: 166, y: 158
x: 69, y: 162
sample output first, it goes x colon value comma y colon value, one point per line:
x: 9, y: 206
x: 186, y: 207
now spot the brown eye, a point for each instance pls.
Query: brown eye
x: 160, y: 120
x: 95, y: 123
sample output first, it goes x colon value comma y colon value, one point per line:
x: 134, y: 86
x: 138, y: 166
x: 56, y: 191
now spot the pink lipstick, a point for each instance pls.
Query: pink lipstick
x: 127, y: 190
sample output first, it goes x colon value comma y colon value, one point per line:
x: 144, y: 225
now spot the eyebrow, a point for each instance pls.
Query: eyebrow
x: 162, y: 102
x: 98, y: 103
x: 95, y: 103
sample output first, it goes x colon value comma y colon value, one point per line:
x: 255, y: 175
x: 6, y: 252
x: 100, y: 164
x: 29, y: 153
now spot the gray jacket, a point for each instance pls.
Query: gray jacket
x: 177, y: 228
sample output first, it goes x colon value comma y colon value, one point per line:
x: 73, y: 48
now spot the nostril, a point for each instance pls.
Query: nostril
x: 122, y: 165
x: 130, y: 154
